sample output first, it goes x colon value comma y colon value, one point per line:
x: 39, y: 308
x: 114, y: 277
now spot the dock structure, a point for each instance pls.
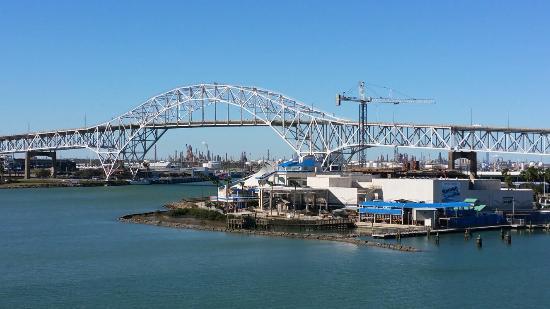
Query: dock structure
x: 467, y: 231
x: 323, y: 224
x: 250, y: 222
x: 242, y: 222
x: 424, y: 232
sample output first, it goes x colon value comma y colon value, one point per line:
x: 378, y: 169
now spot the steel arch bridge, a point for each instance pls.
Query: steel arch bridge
x: 308, y: 131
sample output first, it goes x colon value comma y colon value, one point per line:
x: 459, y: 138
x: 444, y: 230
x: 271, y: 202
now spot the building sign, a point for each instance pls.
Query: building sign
x: 450, y: 191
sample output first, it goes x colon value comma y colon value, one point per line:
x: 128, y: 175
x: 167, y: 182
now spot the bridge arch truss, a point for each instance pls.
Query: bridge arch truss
x: 306, y: 130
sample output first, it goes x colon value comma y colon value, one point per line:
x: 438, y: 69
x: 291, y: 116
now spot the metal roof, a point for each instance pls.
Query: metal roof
x: 306, y: 163
x: 381, y: 204
x: 480, y: 207
x: 380, y: 211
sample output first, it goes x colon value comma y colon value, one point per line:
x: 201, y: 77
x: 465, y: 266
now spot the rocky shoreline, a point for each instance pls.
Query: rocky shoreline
x: 153, y: 218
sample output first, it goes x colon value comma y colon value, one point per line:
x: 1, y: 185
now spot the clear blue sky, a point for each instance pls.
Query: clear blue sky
x: 62, y: 59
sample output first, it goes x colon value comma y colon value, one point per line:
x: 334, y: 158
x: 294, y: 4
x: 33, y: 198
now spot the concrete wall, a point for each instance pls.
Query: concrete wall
x: 451, y: 190
x: 342, y: 182
x: 423, y: 214
x: 363, y: 177
x: 344, y: 196
x: 343, y: 190
x: 340, y: 188
x: 488, y: 193
x: 486, y: 184
x: 317, y: 182
x: 365, y: 185
x: 332, y: 180
x: 409, y: 189
x: 327, y: 175
x: 283, y: 178
x: 329, y: 182
x: 501, y: 199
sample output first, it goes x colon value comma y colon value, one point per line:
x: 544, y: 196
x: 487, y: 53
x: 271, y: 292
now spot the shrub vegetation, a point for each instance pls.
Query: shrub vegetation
x: 198, y: 213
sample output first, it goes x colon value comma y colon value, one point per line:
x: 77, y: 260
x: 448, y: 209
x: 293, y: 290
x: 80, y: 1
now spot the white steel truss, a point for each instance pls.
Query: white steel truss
x: 306, y: 130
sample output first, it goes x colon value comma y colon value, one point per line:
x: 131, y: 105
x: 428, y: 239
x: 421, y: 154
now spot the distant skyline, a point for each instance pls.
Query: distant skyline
x: 64, y: 61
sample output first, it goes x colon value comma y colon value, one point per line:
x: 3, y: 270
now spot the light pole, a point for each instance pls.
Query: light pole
x: 226, y: 188
x: 271, y: 200
x: 513, y: 209
x: 294, y: 203
x: 242, y: 189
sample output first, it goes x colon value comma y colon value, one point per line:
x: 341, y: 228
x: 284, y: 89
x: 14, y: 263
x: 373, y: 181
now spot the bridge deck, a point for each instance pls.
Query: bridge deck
x: 247, y: 123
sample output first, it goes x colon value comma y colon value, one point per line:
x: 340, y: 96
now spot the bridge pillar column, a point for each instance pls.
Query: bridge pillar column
x: 28, y: 156
x: 471, y: 156
x: 53, y: 156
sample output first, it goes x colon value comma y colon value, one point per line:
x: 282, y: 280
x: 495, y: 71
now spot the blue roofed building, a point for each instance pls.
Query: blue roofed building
x: 296, y: 171
x: 488, y: 192
x: 434, y: 215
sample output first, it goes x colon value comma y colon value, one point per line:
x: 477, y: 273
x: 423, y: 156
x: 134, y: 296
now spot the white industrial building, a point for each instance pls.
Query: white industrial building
x: 160, y: 166
x: 487, y: 191
x: 344, y: 190
x: 213, y: 165
x: 349, y: 190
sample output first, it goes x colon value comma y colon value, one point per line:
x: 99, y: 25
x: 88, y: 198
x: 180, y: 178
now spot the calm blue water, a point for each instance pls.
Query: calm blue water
x: 64, y: 248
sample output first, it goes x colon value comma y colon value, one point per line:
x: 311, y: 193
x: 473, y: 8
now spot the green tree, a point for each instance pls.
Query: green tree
x: 530, y: 174
x: 43, y: 173
x: 295, y: 184
x: 545, y: 177
x: 88, y: 173
x: 507, y: 178
x: 1, y: 171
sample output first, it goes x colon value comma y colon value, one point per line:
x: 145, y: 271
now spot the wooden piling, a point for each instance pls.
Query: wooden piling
x: 467, y: 234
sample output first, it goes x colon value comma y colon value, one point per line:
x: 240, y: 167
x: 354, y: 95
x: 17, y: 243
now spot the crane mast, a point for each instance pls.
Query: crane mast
x: 363, y: 101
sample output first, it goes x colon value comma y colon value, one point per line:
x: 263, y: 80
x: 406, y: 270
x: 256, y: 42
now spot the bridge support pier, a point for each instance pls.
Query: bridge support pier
x: 470, y: 155
x: 30, y: 154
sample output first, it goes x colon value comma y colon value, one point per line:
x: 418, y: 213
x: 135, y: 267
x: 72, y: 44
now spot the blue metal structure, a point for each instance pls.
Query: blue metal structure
x: 411, y: 205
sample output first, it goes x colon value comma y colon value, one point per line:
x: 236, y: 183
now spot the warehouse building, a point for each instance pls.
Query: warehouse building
x: 487, y: 191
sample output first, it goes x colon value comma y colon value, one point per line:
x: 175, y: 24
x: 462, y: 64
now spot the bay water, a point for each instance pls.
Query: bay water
x: 64, y: 248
